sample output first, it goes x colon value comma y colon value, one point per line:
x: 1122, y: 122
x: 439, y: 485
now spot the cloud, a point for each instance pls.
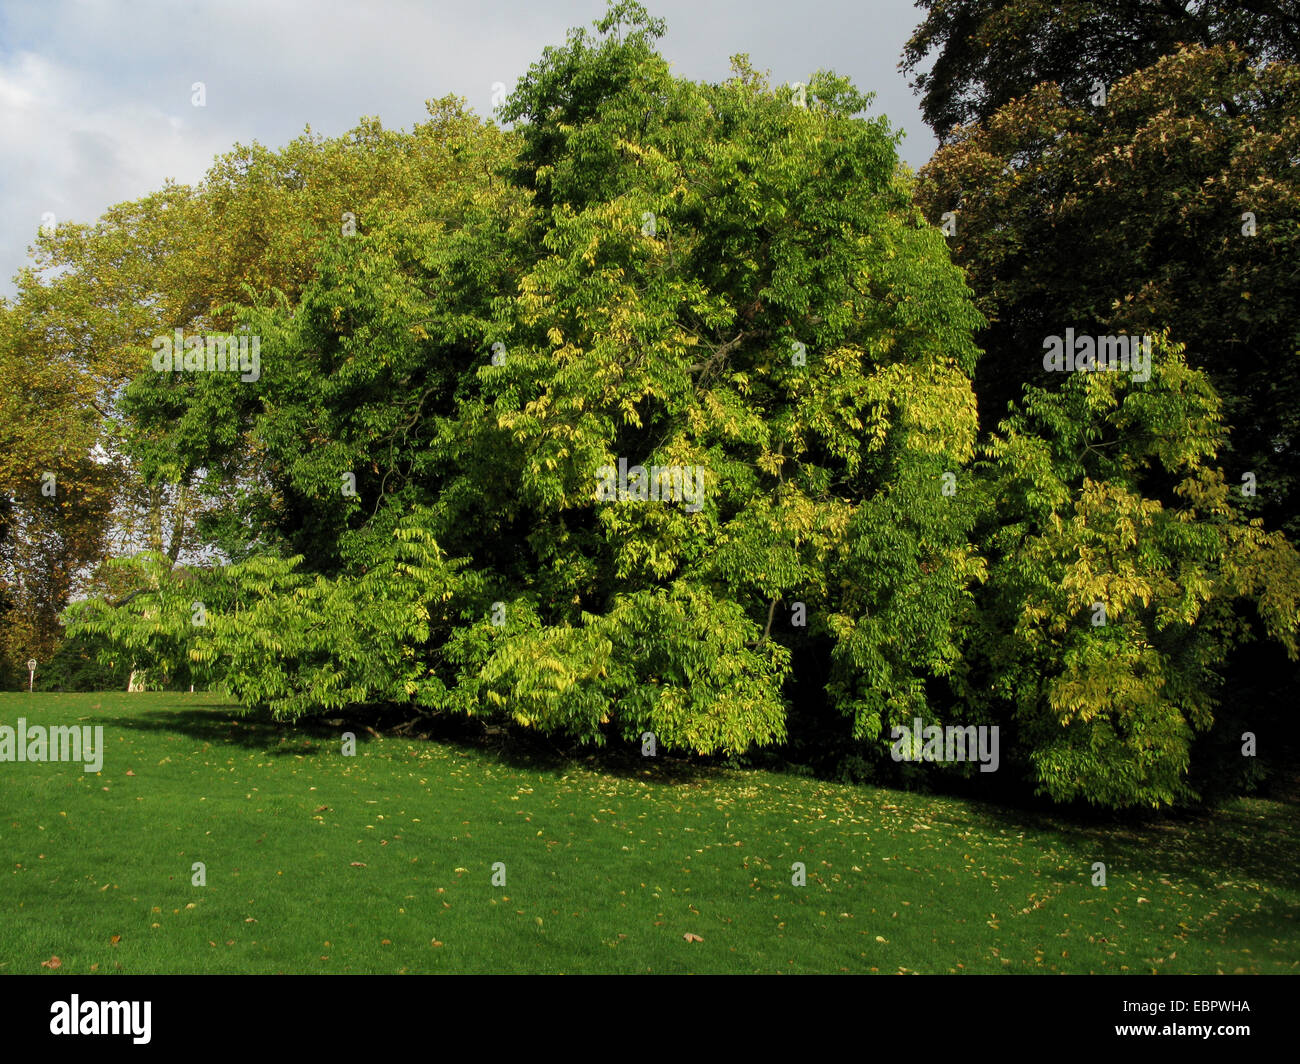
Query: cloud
x: 95, y: 97
x: 72, y: 151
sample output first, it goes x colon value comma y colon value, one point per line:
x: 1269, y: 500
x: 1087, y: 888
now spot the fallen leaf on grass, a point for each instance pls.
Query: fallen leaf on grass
x: 358, y: 864
x: 52, y: 963
x: 114, y: 940
x: 692, y: 938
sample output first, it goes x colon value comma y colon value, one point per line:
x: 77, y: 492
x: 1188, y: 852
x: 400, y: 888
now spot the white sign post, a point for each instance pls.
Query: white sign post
x: 31, y: 675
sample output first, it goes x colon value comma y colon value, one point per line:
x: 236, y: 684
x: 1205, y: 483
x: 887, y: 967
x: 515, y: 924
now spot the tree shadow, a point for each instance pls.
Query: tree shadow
x: 1201, y: 848
x: 518, y: 748
x: 229, y: 724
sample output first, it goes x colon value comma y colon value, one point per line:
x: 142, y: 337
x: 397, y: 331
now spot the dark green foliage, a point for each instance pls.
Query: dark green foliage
x: 987, y: 53
x: 77, y: 666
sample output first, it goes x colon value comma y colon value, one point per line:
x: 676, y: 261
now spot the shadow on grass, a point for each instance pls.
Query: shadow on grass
x: 1252, y: 841
x: 209, y: 724
x: 1249, y: 842
x: 515, y: 747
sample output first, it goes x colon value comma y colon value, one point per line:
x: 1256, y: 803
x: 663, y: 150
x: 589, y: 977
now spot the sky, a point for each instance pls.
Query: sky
x: 97, y: 98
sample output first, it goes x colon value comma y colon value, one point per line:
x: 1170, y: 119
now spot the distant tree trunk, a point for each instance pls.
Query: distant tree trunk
x: 179, y: 513
x: 155, y: 529
x: 136, y: 680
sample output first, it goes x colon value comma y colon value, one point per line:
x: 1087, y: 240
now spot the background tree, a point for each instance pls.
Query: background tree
x: 1174, y: 206
x: 170, y: 465
x: 1166, y: 199
x: 55, y: 496
x: 987, y: 53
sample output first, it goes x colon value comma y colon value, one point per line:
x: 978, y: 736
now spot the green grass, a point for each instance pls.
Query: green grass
x: 382, y: 862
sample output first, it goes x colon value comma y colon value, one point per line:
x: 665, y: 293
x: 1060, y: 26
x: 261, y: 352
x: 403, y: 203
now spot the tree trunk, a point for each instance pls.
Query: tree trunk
x: 155, y: 533
x: 179, y: 513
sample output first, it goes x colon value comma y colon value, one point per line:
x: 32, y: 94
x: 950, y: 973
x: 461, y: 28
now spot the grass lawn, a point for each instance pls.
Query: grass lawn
x: 383, y: 862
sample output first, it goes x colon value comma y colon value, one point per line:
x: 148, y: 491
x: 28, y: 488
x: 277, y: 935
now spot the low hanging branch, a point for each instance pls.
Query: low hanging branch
x: 719, y: 354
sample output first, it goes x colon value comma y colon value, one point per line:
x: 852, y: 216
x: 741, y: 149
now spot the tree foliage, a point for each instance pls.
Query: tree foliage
x: 700, y: 277
x: 986, y: 53
x: 1117, y: 560
x: 1173, y: 206
x: 430, y: 494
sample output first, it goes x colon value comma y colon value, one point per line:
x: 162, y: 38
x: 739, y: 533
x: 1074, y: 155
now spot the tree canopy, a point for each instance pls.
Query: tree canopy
x: 983, y: 54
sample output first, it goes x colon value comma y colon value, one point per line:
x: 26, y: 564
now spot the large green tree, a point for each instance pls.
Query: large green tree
x: 728, y: 282
x: 657, y: 415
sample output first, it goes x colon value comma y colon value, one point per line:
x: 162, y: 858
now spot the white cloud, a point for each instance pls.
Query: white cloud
x: 95, y: 101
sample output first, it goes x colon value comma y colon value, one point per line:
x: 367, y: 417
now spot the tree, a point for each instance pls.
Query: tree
x: 160, y: 461
x: 1118, y: 565
x: 725, y: 283
x: 632, y: 409
x: 990, y: 52
x: 1173, y: 206
x: 55, y: 497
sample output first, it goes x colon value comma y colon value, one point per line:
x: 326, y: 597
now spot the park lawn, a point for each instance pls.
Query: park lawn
x: 383, y: 862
